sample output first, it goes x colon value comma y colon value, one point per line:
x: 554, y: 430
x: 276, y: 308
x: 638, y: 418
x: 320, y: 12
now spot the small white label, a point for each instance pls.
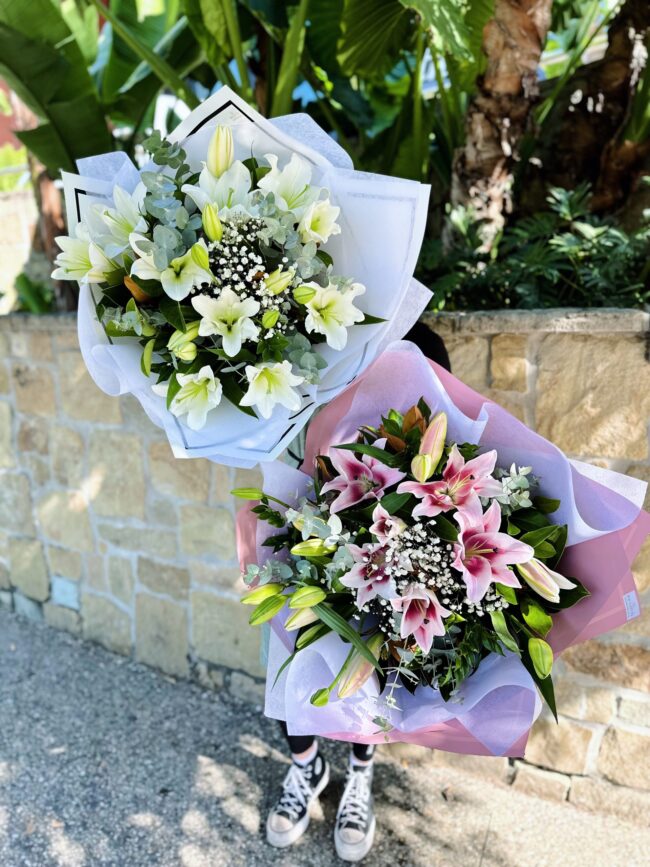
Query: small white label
x: 632, y: 608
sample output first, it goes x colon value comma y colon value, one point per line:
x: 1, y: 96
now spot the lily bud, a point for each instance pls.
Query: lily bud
x: 200, y: 256
x: 544, y: 581
x: 278, y: 280
x: 422, y: 468
x: 270, y: 318
x: 303, y: 294
x: 433, y: 440
x: 320, y: 697
x: 267, y: 609
x: 307, y: 597
x: 312, y: 548
x: 181, y: 343
x: 302, y: 617
x: 139, y: 294
x: 212, y: 225
x: 357, y: 669
x: 248, y: 493
x: 221, y: 151
x: 259, y: 594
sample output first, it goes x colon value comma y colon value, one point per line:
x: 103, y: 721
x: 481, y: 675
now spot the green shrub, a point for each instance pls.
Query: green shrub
x: 561, y: 257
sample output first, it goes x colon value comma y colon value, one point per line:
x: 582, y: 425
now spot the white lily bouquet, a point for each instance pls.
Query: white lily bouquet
x: 241, y: 278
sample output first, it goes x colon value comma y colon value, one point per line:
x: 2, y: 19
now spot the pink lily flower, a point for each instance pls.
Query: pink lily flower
x: 385, y: 526
x: 483, y: 554
x: 463, y: 482
x: 422, y: 615
x: 368, y: 576
x: 359, y: 480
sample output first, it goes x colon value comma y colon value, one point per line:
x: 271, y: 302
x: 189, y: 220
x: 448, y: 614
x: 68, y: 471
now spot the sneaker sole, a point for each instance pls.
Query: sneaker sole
x: 283, y: 839
x: 355, y: 851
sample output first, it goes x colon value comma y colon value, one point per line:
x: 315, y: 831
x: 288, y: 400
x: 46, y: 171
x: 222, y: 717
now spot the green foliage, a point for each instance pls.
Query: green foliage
x: 563, y: 256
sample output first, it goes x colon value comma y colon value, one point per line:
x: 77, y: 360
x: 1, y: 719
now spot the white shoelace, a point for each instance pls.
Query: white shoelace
x: 296, y: 792
x: 355, y: 800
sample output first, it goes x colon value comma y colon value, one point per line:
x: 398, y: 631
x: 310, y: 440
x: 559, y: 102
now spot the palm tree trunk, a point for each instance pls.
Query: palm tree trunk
x: 497, y: 117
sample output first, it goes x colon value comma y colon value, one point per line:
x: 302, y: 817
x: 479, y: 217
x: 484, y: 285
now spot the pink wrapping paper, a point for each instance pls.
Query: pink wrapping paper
x: 499, y: 703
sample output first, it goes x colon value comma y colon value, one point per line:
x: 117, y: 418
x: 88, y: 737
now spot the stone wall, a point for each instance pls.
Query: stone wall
x: 103, y: 533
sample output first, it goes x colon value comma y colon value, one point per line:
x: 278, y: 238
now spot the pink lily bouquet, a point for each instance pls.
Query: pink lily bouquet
x: 428, y: 563
x: 422, y: 554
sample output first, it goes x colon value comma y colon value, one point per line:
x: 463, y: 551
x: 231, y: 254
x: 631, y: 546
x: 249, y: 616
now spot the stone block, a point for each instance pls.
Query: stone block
x: 151, y: 541
x: 115, y: 462
x: 221, y: 484
x: 511, y: 402
x: 208, y: 532
x: 4, y: 376
x: 28, y: 568
x: 602, y: 797
x: 65, y: 592
x: 80, y: 397
x: 105, y: 623
x: 95, y: 573
x: 28, y: 608
x: 40, y: 346
x: 164, y: 578
x: 34, y: 390
x: 593, y: 395
x: 177, y: 478
x: 161, y: 634
x: 469, y: 360
x: 16, y: 504
x: 7, y: 457
x: 161, y: 511
x: 508, y: 365
x: 120, y: 579
x: 33, y: 434
x: 218, y: 577
x: 541, y: 784
x: 62, y: 618
x: 626, y: 665
x: 63, y: 516
x: 246, y: 688
x: 623, y: 758
x: 637, y: 712
x: 65, y: 563
x: 559, y: 746
x: 221, y: 634
x: 67, y: 451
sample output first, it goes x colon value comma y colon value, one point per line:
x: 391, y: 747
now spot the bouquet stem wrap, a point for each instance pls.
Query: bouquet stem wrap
x: 493, y: 711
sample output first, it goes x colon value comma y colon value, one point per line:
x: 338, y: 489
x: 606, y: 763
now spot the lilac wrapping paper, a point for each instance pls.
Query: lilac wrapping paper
x: 496, y: 707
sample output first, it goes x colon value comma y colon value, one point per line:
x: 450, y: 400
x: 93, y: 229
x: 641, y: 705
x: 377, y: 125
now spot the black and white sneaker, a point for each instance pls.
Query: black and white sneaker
x: 355, y: 821
x: 288, y: 820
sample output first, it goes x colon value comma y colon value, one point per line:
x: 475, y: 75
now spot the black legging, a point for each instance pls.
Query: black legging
x: 433, y: 346
x: 301, y: 743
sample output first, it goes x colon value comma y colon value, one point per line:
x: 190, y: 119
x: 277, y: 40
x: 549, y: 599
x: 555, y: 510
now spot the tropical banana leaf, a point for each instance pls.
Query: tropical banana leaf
x: 374, y: 33
x: 41, y: 60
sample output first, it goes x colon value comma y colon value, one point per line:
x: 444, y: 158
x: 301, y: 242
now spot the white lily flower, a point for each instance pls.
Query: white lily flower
x: 332, y: 312
x: 318, y: 223
x: 181, y: 275
x: 291, y: 185
x: 81, y: 259
x: 229, y: 317
x: 230, y: 193
x: 270, y: 384
x: 544, y: 581
x: 122, y: 220
x: 198, y: 394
